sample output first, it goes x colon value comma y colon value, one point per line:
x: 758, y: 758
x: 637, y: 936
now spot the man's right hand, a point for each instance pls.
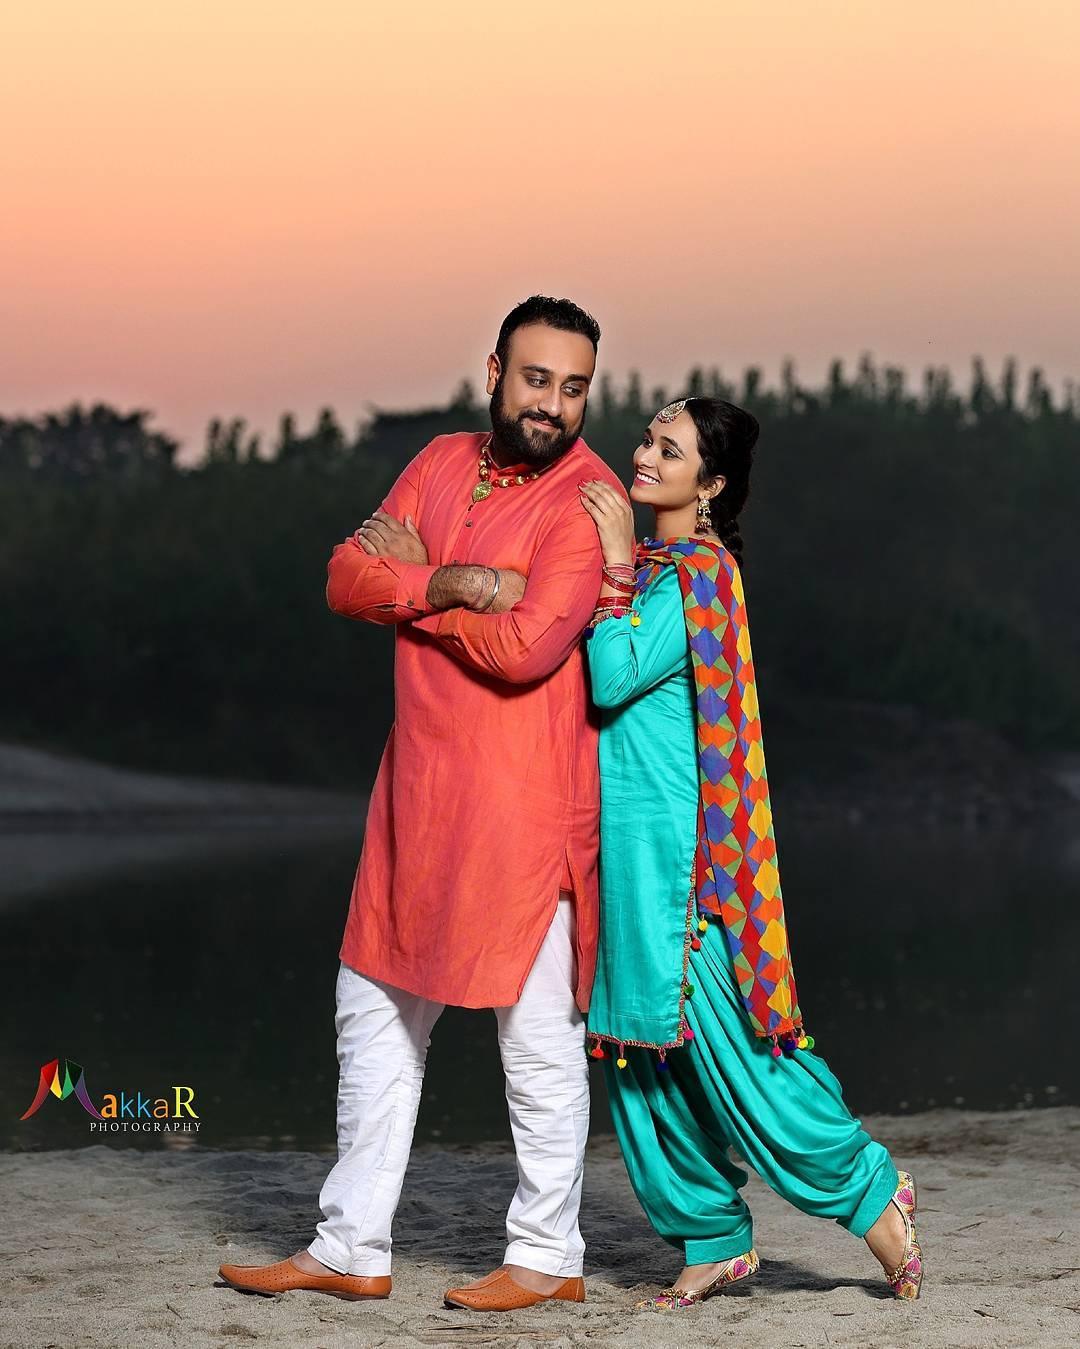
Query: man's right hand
x: 383, y: 536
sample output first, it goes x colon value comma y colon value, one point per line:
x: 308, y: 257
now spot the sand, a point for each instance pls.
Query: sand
x: 110, y: 1246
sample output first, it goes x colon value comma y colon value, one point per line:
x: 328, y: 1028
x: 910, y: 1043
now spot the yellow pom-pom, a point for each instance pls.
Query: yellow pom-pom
x: 620, y: 1063
x: 703, y: 926
x: 802, y: 1041
x: 635, y: 620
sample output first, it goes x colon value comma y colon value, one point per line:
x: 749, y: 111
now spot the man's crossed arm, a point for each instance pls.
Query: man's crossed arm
x: 357, y: 589
x: 382, y: 574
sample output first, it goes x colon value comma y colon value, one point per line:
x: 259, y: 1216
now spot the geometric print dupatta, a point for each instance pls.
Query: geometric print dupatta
x: 738, y: 877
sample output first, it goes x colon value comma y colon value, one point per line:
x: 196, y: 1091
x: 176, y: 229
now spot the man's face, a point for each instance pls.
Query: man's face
x: 538, y: 402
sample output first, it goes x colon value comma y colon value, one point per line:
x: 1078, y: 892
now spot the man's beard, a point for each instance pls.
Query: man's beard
x: 523, y: 445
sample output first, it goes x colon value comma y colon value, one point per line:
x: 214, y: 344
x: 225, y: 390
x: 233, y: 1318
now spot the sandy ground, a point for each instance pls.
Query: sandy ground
x: 109, y: 1246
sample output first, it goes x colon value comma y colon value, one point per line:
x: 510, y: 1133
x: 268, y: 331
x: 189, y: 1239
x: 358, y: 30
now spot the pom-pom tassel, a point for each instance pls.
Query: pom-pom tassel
x: 620, y: 1062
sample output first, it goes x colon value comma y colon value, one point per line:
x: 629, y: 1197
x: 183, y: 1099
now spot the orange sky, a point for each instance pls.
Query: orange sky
x: 235, y: 208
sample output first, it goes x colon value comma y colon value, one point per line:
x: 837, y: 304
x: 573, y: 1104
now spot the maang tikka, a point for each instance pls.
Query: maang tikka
x: 672, y: 410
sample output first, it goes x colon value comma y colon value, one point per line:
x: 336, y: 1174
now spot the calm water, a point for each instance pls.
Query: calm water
x: 932, y: 973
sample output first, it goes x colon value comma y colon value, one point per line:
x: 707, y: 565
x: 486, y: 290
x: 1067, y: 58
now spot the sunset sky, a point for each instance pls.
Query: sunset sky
x: 234, y: 208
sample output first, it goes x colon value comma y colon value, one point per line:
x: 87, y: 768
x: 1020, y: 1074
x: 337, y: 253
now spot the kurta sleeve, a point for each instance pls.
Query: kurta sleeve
x: 538, y: 634
x: 382, y: 589
x: 626, y: 659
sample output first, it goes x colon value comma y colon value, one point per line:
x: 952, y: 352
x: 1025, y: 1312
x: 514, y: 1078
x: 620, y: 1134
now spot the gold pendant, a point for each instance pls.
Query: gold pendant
x: 482, y: 490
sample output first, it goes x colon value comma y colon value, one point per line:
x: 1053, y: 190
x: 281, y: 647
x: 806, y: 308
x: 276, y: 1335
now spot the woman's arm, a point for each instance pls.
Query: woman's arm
x: 627, y: 658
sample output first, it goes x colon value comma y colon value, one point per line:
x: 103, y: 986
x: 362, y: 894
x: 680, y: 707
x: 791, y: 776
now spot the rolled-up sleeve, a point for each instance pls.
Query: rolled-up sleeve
x: 382, y: 589
x: 538, y: 634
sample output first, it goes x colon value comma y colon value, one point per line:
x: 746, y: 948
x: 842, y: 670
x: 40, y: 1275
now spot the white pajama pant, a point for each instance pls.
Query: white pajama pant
x: 383, y: 1035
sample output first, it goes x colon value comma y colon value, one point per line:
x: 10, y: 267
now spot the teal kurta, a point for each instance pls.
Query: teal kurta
x: 723, y: 1086
x: 648, y: 813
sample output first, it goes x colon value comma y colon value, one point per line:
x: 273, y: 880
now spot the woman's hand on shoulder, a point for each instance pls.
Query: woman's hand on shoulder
x: 614, y: 519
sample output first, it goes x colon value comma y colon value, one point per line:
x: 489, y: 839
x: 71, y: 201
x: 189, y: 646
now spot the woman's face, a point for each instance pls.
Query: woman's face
x: 667, y: 464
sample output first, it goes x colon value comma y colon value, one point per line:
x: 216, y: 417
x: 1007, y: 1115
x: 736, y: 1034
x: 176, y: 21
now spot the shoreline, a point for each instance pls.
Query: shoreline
x: 884, y: 774
x: 47, y: 790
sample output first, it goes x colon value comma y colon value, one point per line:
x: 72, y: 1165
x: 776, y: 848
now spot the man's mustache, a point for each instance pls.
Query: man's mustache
x: 545, y: 421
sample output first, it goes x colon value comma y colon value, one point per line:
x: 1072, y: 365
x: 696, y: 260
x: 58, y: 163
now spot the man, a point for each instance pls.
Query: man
x: 477, y: 880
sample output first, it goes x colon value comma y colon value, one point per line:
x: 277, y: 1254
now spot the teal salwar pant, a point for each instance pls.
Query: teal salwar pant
x: 786, y: 1116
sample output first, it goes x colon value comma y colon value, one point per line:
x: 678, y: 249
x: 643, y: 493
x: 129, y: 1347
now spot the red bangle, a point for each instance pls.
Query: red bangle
x: 620, y: 577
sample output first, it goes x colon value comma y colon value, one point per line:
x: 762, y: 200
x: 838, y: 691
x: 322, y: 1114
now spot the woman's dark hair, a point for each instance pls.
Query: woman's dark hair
x: 726, y: 438
x: 562, y: 314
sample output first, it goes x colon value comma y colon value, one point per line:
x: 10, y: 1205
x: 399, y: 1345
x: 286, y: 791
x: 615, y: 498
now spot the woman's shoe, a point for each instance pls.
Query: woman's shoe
x: 906, y: 1278
x: 676, y: 1299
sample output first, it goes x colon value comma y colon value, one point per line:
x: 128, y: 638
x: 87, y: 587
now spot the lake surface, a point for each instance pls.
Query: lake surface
x: 933, y: 970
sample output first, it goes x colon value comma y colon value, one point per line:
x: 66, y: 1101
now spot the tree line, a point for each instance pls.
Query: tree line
x: 904, y: 546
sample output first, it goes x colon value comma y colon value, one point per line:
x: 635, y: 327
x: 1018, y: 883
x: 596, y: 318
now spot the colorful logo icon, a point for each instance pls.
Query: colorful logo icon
x: 62, y: 1082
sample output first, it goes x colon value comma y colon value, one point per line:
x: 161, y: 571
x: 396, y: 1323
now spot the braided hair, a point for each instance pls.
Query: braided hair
x: 726, y: 438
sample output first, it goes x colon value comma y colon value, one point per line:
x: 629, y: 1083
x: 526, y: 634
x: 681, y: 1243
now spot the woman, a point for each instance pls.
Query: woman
x: 694, y: 1010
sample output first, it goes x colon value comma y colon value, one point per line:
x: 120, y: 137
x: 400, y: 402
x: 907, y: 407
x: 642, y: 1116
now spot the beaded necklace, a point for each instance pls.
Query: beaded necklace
x: 486, y: 468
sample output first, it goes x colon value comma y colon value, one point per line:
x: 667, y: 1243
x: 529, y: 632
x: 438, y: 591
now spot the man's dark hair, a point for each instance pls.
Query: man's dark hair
x: 562, y: 314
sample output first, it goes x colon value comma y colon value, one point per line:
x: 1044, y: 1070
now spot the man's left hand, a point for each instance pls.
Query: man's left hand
x: 383, y: 536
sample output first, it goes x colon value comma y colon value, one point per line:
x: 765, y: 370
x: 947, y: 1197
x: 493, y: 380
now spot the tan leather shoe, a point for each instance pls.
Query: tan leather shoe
x: 284, y: 1277
x: 498, y: 1292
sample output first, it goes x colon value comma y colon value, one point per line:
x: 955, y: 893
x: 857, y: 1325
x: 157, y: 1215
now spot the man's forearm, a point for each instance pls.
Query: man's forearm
x: 458, y: 586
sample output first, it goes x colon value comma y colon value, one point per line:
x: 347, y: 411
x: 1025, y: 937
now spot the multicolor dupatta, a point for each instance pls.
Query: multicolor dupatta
x: 737, y: 873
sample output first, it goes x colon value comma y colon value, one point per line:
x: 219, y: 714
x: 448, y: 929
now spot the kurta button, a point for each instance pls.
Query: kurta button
x: 468, y: 524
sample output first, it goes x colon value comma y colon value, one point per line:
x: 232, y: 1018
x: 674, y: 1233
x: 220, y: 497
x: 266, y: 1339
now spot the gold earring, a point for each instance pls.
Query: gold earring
x: 704, y: 516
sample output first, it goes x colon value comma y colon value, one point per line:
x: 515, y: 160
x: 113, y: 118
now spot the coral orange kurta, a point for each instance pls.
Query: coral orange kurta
x: 488, y: 791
